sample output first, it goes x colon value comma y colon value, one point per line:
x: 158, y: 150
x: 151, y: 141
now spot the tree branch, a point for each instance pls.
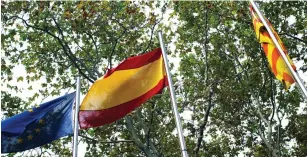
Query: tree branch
x: 202, y: 127
x: 267, y: 144
x: 60, y: 42
x: 272, y: 100
x: 116, y: 42
x: 278, y: 131
x: 152, y: 32
x: 205, y: 47
x: 118, y: 141
x: 94, y: 42
x: 136, y: 139
x: 69, y: 50
x: 94, y: 68
x: 294, y: 37
x: 149, y: 142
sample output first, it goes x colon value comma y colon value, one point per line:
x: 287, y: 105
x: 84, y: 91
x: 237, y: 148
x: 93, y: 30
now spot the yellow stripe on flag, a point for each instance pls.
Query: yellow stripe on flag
x: 123, y: 89
x: 123, y: 86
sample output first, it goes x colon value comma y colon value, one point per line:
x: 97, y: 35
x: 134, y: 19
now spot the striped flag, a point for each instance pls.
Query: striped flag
x: 276, y: 62
x: 123, y: 89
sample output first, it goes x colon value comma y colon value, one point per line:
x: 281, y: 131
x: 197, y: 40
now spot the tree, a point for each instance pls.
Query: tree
x: 246, y: 105
x: 231, y: 100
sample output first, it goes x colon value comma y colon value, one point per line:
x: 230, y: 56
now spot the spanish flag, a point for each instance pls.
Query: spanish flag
x: 276, y: 62
x: 123, y: 89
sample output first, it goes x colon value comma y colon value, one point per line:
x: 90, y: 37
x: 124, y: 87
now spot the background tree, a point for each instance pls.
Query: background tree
x: 231, y: 102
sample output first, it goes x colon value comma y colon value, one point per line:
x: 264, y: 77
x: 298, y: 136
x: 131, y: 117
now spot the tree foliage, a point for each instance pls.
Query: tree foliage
x: 229, y: 100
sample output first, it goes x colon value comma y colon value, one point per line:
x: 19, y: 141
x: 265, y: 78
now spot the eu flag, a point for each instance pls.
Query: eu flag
x: 38, y: 126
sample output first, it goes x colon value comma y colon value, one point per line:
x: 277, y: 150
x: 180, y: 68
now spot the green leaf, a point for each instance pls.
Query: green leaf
x: 20, y: 78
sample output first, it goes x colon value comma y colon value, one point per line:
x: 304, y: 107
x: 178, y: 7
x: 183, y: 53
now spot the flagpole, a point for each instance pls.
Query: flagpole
x: 173, y: 98
x: 281, y: 52
x: 76, y: 126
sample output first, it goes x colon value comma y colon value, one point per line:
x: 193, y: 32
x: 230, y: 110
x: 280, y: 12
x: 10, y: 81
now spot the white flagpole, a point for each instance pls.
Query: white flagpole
x: 294, y: 74
x: 173, y: 98
x: 76, y: 126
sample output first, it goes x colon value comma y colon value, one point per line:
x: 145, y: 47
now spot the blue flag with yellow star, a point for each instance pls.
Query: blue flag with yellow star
x: 38, y: 126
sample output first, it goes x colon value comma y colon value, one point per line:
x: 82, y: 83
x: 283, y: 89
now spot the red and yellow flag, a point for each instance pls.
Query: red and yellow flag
x: 123, y: 89
x: 277, y: 64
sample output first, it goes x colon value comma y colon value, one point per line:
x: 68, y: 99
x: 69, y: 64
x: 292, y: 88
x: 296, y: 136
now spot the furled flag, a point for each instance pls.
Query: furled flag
x: 277, y: 64
x: 123, y: 89
x: 38, y: 126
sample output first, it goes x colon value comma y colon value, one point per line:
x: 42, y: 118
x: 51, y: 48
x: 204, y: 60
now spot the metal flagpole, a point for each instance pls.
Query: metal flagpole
x: 76, y: 126
x: 177, y: 117
x: 294, y: 74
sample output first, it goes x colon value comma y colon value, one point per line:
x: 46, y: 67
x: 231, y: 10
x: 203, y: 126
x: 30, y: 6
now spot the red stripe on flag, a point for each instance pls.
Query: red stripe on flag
x: 265, y: 33
x: 265, y: 49
x: 288, y: 78
x: 94, y: 118
x: 137, y: 61
x: 294, y: 67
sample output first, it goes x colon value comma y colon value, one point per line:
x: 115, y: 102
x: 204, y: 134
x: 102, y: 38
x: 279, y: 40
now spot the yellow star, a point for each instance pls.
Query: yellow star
x: 30, y: 110
x: 41, y: 121
x: 38, y: 130
x: 30, y: 137
x: 19, y: 140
